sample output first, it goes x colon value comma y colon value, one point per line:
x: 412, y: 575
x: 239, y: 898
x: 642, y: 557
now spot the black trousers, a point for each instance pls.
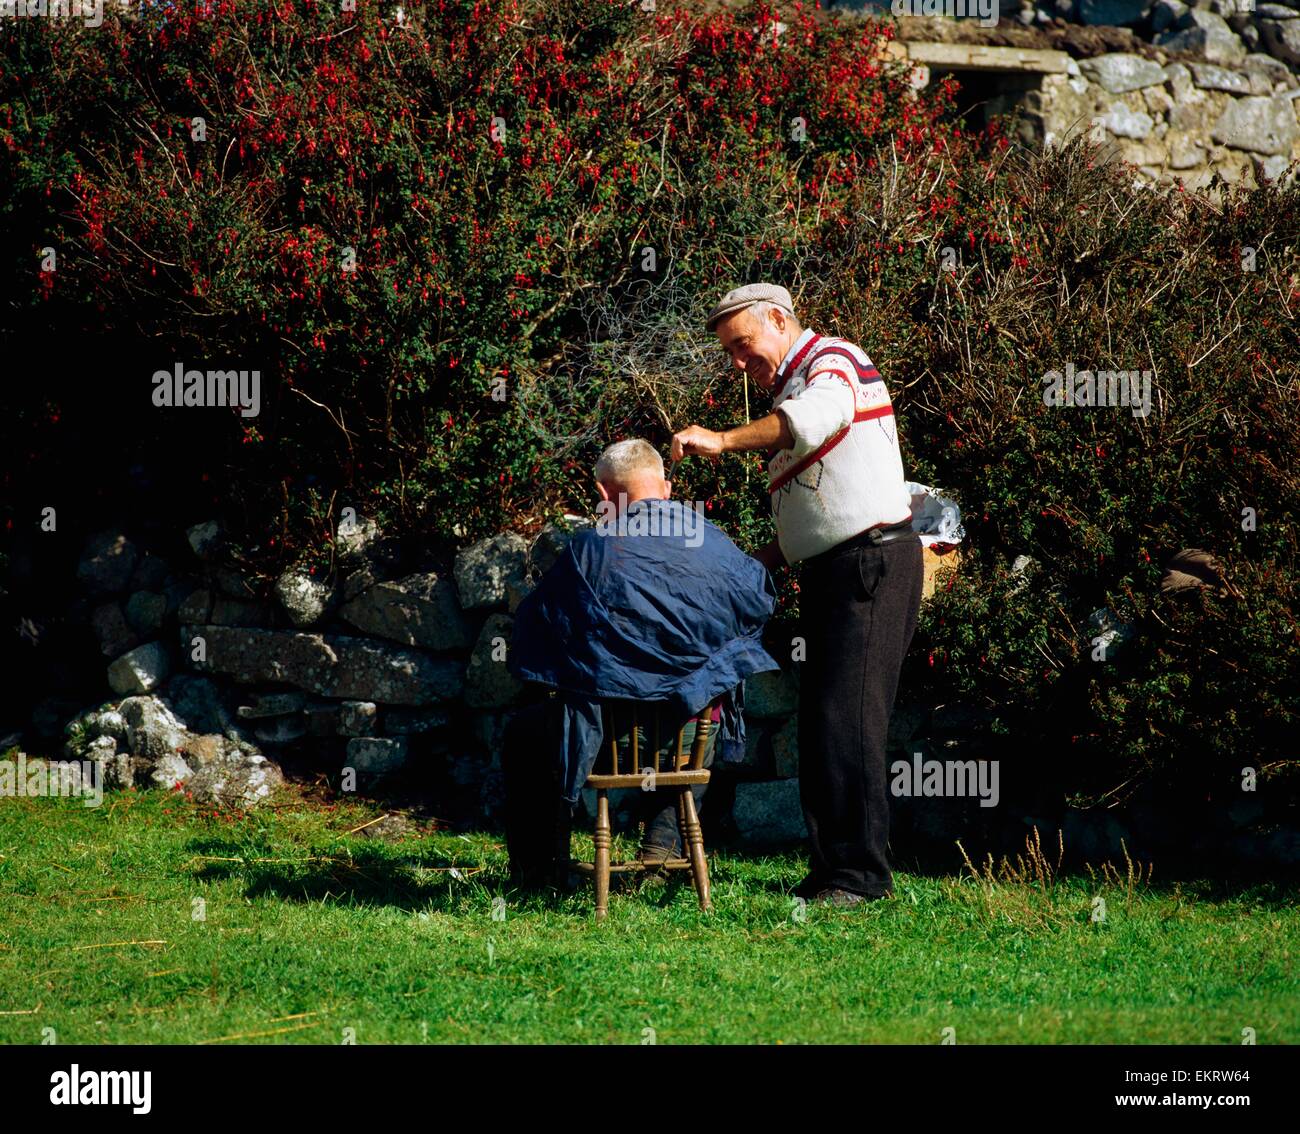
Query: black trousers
x: 859, y: 605
x: 537, y: 818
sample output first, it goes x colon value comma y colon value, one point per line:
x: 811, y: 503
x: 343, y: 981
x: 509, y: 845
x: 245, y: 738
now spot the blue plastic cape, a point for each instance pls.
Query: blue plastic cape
x: 658, y: 606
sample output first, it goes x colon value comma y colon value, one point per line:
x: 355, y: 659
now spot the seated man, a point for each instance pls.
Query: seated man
x: 653, y: 604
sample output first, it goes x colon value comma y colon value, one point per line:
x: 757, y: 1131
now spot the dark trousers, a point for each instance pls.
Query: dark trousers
x: 537, y: 819
x: 859, y: 607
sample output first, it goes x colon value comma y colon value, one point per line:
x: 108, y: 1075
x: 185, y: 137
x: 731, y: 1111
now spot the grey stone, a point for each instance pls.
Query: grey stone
x: 1124, y: 122
x: 228, y: 611
x: 785, y: 749
x: 177, y: 591
x: 364, y: 575
x: 1158, y: 102
x: 197, y: 704
x: 196, y: 607
x: 375, y: 756
x: 111, y: 629
x: 229, y: 773
x: 107, y: 564
x: 1281, y: 39
x: 206, y: 540
x: 769, y: 812
x: 1121, y: 72
x: 771, y: 694
x: 233, y: 583
x: 419, y: 610
x: 1276, y: 12
x: 1274, y: 69
x: 151, y: 573
x: 110, y: 723
x: 170, y: 771
x: 116, y: 770
x: 304, y: 598
x: 1214, y: 44
x: 355, y: 535
x: 273, y: 705
x: 152, y: 731
x: 145, y: 611
x: 1166, y: 13
x: 1185, y: 154
x: 322, y: 719
x: 552, y: 540
x: 1272, y: 168
x: 1112, y: 13
x: 141, y: 670
x: 489, y: 684
x: 357, y: 718
x: 517, y: 590
x: 281, y: 730
x: 1214, y: 78
x: 82, y: 731
x: 346, y: 668
x: 1178, y: 78
x: 1258, y: 124
x: 413, y: 722
x: 485, y: 570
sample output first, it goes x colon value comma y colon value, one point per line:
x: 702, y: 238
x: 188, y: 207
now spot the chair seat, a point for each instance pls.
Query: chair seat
x: 662, y: 779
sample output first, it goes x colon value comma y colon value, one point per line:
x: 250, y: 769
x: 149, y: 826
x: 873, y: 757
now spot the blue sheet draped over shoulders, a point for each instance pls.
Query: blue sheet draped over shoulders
x: 661, y: 606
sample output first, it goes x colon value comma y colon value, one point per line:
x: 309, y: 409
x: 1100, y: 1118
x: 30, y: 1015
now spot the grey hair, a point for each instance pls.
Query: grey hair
x: 624, y: 459
x: 760, y: 309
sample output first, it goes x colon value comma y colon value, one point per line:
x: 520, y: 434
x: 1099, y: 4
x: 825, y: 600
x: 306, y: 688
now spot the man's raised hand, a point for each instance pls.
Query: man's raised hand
x: 697, y: 440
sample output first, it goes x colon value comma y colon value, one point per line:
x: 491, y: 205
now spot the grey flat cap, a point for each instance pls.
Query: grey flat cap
x: 747, y: 296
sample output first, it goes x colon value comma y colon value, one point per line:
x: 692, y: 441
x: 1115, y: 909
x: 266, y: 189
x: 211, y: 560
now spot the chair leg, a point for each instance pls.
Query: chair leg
x: 693, y: 840
x: 683, y: 832
x: 602, y: 854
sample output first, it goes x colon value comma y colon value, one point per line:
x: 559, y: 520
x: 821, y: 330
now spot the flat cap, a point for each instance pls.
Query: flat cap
x: 747, y: 296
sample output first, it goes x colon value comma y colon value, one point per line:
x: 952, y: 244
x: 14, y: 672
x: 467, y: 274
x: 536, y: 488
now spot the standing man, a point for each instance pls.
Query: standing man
x: 842, y: 511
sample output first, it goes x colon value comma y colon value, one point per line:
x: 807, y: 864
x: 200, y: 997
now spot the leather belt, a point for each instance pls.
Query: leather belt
x: 872, y: 537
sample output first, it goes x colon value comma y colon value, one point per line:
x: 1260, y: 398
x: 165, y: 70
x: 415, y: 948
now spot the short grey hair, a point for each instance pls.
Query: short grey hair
x: 624, y: 459
x: 760, y: 309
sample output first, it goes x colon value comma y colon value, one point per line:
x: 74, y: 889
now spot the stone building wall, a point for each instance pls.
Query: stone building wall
x: 1200, y: 95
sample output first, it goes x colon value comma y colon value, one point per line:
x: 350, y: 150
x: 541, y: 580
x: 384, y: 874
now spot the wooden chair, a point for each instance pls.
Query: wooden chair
x: 685, y: 771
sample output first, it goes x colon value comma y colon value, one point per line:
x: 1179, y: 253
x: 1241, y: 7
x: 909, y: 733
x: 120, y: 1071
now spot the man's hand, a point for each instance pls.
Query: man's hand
x: 772, y: 431
x: 698, y: 440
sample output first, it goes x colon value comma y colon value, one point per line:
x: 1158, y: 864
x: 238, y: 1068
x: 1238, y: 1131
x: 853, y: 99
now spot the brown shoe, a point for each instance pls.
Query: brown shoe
x: 651, y: 854
x: 834, y: 896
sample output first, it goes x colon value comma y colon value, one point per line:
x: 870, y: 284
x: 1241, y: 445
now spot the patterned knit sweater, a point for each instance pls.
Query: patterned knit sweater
x: 845, y: 472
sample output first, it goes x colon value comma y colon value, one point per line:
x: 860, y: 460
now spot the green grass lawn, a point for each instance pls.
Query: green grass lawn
x: 310, y: 931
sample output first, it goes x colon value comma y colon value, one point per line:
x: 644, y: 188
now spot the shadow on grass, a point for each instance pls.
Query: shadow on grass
x: 410, y: 877
x: 415, y: 876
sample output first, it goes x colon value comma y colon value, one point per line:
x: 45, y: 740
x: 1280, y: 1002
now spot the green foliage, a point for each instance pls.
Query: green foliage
x: 502, y: 325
